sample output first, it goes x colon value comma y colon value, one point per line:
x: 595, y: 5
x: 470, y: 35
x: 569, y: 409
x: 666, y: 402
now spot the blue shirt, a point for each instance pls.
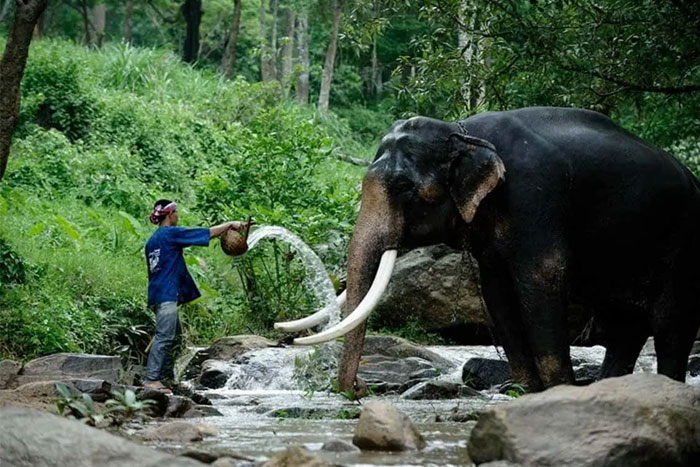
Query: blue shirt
x: 168, y: 277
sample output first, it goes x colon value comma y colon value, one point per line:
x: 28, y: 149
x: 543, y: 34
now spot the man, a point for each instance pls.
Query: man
x: 170, y: 284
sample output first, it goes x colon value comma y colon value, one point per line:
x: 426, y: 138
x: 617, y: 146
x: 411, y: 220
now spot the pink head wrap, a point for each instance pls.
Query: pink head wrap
x: 160, y: 212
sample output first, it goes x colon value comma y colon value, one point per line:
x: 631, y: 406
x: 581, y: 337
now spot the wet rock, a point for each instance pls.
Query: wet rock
x: 208, y: 454
x: 202, y: 411
x: 390, y: 346
x: 296, y: 457
x: 636, y: 420
x: 483, y: 373
x: 586, y: 373
x: 160, y: 401
x: 30, y: 437
x: 436, y: 389
x: 215, y: 373
x: 98, y: 390
x: 178, y: 406
x: 696, y: 348
x: 384, y: 428
x: 180, y: 431
x: 65, y: 366
x: 186, y: 390
x: 338, y: 445
x: 189, y: 364
x: 231, y: 347
x: 694, y: 366
x: 389, y: 374
x: 9, y: 369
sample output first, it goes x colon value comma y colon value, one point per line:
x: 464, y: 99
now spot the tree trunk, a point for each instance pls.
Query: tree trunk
x: 127, y: 21
x: 303, y: 42
x: 98, y: 20
x: 266, y: 71
x: 376, y: 74
x: 86, y: 21
x: 5, y: 9
x: 472, y: 89
x: 229, y: 61
x: 324, y: 95
x: 12, y: 67
x: 287, y: 49
x: 273, y: 39
x: 192, y: 11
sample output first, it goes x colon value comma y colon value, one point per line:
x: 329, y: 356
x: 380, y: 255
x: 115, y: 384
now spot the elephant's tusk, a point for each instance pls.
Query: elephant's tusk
x: 354, y: 319
x: 311, y: 321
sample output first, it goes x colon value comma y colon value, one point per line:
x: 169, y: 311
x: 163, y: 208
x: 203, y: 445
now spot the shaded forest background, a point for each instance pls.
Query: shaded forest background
x: 241, y: 107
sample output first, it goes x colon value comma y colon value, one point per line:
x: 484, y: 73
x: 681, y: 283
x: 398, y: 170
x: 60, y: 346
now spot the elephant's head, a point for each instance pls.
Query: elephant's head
x: 427, y: 179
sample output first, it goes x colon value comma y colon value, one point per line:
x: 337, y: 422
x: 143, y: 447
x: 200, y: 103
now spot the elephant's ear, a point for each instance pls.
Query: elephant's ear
x: 475, y: 170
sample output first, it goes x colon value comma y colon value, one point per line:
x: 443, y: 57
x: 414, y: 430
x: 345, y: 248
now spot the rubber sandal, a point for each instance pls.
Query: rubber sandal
x: 158, y: 386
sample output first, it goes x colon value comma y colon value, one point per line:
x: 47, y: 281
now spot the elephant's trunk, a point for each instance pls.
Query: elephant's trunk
x: 378, y: 229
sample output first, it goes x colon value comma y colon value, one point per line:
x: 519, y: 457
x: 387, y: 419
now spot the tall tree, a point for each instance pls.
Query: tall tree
x: 273, y: 37
x: 228, y: 62
x: 266, y: 58
x: 303, y: 49
x: 98, y: 18
x: 287, y: 49
x: 128, y: 15
x: 12, y: 67
x: 192, y: 11
x: 5, y: 8
x: 329, y: 64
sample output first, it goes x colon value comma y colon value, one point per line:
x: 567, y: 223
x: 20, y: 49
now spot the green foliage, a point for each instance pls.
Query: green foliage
x: 125, y: 405
x: 80, y: 406
x: 513, y: 389
x: 12, y: 268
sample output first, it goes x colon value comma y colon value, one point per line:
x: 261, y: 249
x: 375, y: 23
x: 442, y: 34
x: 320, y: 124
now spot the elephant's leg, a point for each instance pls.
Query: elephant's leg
x: 541, y: 285
x: 624, y: 340
x: 675, y: 325
x: 498, y: 293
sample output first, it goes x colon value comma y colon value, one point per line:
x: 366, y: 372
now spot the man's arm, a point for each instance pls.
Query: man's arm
x: 221, y: 228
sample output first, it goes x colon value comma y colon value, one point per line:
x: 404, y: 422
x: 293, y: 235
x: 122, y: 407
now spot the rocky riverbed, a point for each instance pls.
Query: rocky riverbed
x: 248, y: 400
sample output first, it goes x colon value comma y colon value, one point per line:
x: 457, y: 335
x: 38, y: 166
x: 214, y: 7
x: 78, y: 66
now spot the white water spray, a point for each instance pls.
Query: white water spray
x: 317, y: 279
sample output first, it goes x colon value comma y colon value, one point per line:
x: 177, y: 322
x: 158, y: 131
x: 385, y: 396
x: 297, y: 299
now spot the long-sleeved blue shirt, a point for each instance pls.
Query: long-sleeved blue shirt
x: 168, y: 277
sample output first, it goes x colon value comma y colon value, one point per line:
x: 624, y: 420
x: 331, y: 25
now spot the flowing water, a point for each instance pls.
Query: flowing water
x: 264, y: 412
x: 317, y: 276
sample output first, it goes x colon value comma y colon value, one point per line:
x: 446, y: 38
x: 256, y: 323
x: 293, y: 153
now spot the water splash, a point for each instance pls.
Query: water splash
x: 319, y: 281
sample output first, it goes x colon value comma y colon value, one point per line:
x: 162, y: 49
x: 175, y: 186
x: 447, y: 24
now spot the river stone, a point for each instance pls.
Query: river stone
x: 391, y: 346
x: 178, y: 406
x: 215, y: 373
x: 189, y: 363
x: 587, y: 372
x: 9, y: 369
x: 390, y: 374
x: 641, y: 419
x: 180, y: 431
x: 296, y: 457
x: 32, y: 438
x: 694, y: 366
x: 483, y: 373
x: 64, y: 366
x: 382, y: 427
x: 160, y: 400
x: 436, y: 389
x: 231, y: 347
x: 39, y: 389
x: 338, y: 445
x: 199, y: 411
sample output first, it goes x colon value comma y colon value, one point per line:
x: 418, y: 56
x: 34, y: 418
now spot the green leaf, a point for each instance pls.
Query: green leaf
x: 130, y: 223
x: 69, y: 229
x: 3, y: 205
x: 208, y: 289
x: 36, y: 229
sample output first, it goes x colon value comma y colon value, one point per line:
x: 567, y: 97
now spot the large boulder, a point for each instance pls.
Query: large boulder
x: 9, y: 370
x: 389, y: 374
x: 636, y: 420
x: 214, y: 374
x: 231, y: 347
x: 32, y: 438
x: 391, y: 346
x: 98, y: 390
x: 382, y: 427
x: 65, y: 366
x: 434, y: 287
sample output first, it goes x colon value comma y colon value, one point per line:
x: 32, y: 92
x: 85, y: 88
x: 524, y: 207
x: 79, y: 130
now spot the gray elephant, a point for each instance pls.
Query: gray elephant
x: 559, y: 206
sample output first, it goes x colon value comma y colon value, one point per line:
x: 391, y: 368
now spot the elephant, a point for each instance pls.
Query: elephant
x: 558, y: 206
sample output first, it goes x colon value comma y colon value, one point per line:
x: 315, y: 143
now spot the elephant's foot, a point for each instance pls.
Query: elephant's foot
x: 553, y: 371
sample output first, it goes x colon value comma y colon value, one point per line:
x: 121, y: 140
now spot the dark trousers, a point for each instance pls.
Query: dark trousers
x: 160, y: 364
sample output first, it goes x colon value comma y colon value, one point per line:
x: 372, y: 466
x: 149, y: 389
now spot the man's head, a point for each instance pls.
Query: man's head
x: 165, y: 213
